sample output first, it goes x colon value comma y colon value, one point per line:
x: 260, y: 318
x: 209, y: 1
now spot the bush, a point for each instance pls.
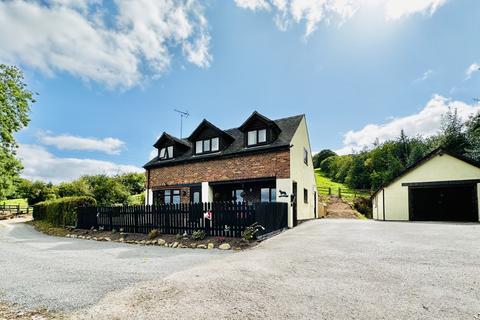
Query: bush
x: 198, y: 235
x: 364, y: 206
x: 153, y: 234
x: 63, y: 211
x: 251, y: 231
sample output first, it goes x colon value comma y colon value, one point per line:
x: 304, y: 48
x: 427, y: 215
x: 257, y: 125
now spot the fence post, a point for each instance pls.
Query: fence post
x: 340, y: 193
x: 329, y: 191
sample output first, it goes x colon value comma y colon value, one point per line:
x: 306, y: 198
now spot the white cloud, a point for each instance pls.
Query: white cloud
x: 314, y: 12
x: 426, y: 123
x: 119, y: 44
x: 474, y: 67
x: 426, y: 75
x: 42, y: 165
x: 69, y: 142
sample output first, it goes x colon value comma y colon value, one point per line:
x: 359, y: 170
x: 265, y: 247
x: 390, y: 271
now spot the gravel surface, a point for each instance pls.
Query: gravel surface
x: 323, y: 269
x: 66, y: 274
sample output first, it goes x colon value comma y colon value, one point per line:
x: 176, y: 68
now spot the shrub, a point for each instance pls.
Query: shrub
x: 251, y: 231
x: 61, y: 211
x: 364, y: 206
x: 198, y: 235
x: 153, y: 234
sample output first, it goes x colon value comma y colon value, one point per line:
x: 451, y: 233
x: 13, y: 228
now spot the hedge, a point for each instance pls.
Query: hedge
x: 63, y: 211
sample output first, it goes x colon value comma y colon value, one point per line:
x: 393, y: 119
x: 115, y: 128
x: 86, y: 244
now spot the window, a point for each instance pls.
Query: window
x: 268, y: 195
x: 256, y: 137
x: 165, y: 153
x: 305, y: 156
x: 166, y: 197
x: 237, y: 195
x: 305, y: 195
x: 207, y: 145
x: 215, y: 144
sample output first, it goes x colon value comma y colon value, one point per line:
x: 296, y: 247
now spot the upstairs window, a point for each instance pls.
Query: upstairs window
x: 305, y: 156
x: 255, y: 137
x: 165, y: 153
x: 207, y: 145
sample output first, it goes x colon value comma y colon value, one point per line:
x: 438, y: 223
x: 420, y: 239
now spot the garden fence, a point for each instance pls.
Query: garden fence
x: 215, y: 218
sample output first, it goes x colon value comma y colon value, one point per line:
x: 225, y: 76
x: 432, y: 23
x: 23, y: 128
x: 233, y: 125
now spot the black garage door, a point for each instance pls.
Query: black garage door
x: 444, y: 203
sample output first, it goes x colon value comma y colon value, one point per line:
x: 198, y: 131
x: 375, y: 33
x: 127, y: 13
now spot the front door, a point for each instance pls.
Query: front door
x: 294, y: 204
x: 196, y: 194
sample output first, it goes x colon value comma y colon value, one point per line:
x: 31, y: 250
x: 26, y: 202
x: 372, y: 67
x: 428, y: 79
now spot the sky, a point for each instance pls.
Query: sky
x: 109, y: 73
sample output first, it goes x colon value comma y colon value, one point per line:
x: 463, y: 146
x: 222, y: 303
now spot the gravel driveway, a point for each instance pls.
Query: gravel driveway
x: 323, y: 269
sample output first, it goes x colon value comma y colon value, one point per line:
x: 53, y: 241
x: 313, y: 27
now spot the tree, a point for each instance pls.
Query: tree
x: 107, y: 190
x: 452, y: 136
x: 133, y: 182
x: 37, y: 191
x: 78, y: 187
x: 15, y: 100
x: 473, y: 136
x: 322, y: 155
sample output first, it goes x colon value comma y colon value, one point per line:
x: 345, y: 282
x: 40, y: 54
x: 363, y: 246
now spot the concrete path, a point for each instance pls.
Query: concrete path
x: 323, y: 269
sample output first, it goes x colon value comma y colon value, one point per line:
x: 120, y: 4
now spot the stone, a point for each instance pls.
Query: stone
x: 202, y: 246
x: 211, y: 246
x: 182, y: 246
x: 193, y: 245
x: 143, y: 242
x: 166, y: 244
x: 108, y: 239
x: 224, y: 246
x: 121, y: 240
x: 161, y: 242
x: 175, y: 244
x: 94, y: 238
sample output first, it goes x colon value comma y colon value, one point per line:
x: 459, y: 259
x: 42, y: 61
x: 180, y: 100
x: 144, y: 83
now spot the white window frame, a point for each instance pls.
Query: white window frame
x: 217, y: 144
x: 206, y: 145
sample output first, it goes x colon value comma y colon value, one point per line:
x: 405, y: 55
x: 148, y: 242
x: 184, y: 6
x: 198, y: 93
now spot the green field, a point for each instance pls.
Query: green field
x: 21, y: 202
x: 324, y: 183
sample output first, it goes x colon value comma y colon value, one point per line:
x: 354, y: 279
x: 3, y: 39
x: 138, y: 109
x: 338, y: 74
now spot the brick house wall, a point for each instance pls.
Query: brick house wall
x: 269, y: 164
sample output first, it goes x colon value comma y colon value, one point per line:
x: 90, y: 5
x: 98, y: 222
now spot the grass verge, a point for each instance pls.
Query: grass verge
x: 15, y: 202
x: 48, y: 228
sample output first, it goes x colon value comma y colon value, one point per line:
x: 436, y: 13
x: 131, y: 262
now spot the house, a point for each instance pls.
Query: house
x: 440, y: 187
x: 262, y: 160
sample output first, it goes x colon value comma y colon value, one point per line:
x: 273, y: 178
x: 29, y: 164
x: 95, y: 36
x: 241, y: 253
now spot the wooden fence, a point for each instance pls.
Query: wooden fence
x: 343, y: 192
x: 15, y: 209
x: 224, y: 219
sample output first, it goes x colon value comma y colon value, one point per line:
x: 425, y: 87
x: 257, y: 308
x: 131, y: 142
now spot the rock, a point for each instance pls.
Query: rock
x: 224, y: 246
x: 121, y: 240
x: 143, y: 242
x: 161, y: 242
x: 211, y: 246
x: 108, y: 239
x: 101, y: 239
x: 175, y: 244
x: 182, y: 246
x: 202, y: 246
x: 193, y: 245
x: 68, y: 236
x: 166, y: 244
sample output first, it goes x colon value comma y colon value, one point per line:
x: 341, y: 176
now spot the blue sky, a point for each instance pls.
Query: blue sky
x: 110, y: 73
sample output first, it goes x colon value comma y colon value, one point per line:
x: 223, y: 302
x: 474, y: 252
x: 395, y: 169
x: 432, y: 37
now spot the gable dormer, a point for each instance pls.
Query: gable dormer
x: 259, y: 130
x: 207, y: 138
x: 170, y: 147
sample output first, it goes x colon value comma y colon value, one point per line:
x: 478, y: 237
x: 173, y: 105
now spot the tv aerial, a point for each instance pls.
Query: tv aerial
x: 183, y: 114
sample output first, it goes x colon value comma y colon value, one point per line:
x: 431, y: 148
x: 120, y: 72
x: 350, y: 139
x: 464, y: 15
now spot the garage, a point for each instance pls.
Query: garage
x: 444, y: 202
x: 440, y: 187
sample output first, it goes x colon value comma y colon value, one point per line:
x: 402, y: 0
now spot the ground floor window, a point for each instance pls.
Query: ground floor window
x: 305, y: 195
x: 268, y: 194
x: 171, y: 196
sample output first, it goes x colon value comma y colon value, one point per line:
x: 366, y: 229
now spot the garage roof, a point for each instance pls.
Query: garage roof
x: 439, y: 151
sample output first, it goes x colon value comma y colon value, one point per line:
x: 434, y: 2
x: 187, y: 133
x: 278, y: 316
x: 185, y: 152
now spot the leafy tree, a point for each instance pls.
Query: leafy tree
x: 107, y: 190
x: 134, y: 182
x: 38, y: 191
x: 75, y: 188
x: 473, y: 135
x: 452, y: 135
x: 15, y: 100
x: 358, y: 176
x: 322, y: 155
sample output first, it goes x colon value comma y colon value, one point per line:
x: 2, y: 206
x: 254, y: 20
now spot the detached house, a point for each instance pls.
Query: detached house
x: 262, y: 160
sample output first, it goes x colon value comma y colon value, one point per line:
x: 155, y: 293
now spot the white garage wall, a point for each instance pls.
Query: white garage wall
x: 439, y: 168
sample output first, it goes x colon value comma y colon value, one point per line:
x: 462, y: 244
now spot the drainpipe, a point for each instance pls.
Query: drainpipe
x: 148, y: 187
x: 383, y: 199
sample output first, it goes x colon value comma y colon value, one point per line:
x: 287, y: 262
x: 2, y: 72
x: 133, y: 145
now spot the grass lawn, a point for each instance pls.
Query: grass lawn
x: 21, y: 202
x: 324, y: 182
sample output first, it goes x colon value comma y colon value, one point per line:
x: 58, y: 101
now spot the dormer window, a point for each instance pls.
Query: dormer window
x: 255, y: 137
x: 165, y: 153
x: 207, y: 145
